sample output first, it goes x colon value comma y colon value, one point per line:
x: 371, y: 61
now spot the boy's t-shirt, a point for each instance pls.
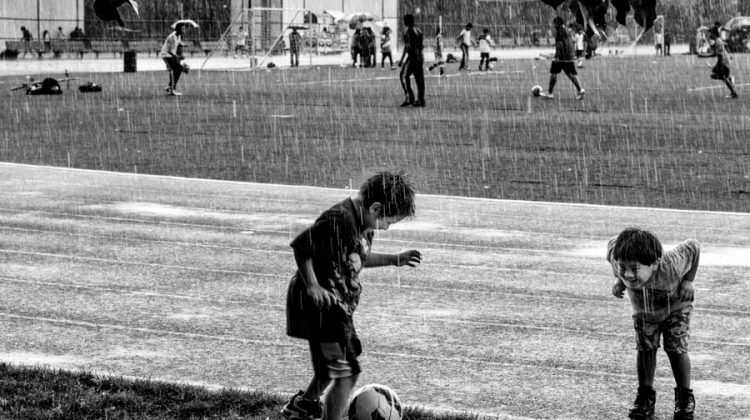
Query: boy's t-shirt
x: 485, y: 44
x: 338, y: 246
x: 563, y: 46
x: 658, y: 297
x: 170, y: 45
x: 720, y: 48
x: 465, y: 36
x: 414, y: 44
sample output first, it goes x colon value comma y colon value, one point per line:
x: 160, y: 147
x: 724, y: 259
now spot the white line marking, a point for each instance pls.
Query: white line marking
x: 715, y: 87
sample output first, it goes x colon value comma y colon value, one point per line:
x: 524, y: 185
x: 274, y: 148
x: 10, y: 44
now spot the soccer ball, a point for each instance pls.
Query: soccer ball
x: 491, y: 66
x: 536, y: 90
x: 375, y: 402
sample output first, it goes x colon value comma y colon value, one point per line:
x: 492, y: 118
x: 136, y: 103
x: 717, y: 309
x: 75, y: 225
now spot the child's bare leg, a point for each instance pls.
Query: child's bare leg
x: 337, y: 397
x: 646, y: 361
x: 316, y: 388
x: 573, y: 78
x: 730, y: 85
x: 552, y: 82
x: 680, y: 368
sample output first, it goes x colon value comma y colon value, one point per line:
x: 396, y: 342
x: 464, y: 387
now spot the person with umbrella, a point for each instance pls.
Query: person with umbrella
x: 412, y: 63
x: 172, y: 59
x: 295, y: 44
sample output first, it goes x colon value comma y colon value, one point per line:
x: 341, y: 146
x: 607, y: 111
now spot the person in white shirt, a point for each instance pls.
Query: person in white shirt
x: 579, y: 41
x: 485, y: 46
x: 464, y: 40
x: 172, y: 59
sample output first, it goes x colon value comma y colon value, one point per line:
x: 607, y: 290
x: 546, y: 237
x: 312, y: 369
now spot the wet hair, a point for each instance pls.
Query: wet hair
x: 633, y: 244
x: 390, y: 189
x: 179, y: 26
x: 409, y: 20
x: 469, y: 25
x: 713, y: 33
x: 486, y: 30
x: 558, y: 21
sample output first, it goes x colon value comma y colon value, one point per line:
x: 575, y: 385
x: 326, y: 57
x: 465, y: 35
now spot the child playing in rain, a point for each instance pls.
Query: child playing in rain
x: 172, y: 59
x: 438, y: 53
x: 386, y: 44
x: 325, y: 290
x: 563, y: 61
x: 485, y: 46
x: 721, y: 69
x: 661, y: 292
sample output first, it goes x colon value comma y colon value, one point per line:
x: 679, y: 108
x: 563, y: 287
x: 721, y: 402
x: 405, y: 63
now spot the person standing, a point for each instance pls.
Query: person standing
x: 413, y: 65
x: 26, y: 38
x: 295, y: 42
x: 485, y: 46
x: 667, y: 43
x: 564, y: 60
x: 464, y: 40
x: 172, y: 59
x: 386, y: 44
x: 438, y: 52
x: 721, y: 70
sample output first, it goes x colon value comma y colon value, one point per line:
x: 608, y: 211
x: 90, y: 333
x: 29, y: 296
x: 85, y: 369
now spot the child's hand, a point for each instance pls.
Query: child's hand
x: 320, y: 296
x: 618, y: 289
x: 686, y: 291
x: 412, y: 258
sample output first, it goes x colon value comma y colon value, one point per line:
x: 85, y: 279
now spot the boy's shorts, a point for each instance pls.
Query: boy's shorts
x: 484, y: 55
x: 569, y: 67
x: 720, y: 71
x: 336, y: 360
x: 676, y: 331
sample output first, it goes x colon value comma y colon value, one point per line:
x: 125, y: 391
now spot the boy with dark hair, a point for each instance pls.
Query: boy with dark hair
x: 564, y: 60
x: 414, y: 63
x: 325, y: 290
x: 661, y: 292
x: 172, y: 59
x: 295, y: 43
x: 721, y: 70
x: 386, y: 44
x: 464, y: 40
x: 485, y: 46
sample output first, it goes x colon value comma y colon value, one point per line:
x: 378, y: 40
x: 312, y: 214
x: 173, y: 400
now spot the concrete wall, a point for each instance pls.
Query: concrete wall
x: 38, y: 15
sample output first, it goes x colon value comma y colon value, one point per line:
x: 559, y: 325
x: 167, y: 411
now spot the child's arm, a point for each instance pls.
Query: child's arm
x: 618, y: 289
x: 322, y: 297
x: 411, y: 258
x: 686, y: 290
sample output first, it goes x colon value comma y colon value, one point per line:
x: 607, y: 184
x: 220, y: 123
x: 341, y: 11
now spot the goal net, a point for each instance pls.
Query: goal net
x: 258, y: 36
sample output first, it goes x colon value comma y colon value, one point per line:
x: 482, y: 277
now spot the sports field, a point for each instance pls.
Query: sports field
x: 510, y: 313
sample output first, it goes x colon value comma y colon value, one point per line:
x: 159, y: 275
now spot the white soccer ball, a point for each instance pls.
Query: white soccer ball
x: 536, y: 90
x: 491, y: 66
x: 375, y: 402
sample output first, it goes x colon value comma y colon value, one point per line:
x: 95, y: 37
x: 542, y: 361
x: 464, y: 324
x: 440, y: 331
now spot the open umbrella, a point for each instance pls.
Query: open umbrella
x: 737, y: 22
x: 189, y: 22
x: 355, y: 20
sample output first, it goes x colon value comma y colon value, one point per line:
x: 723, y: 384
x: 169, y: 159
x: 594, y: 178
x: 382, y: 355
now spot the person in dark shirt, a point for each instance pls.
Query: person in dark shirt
x: 324, y: 292
x: 564, y: 60
x: 412, y: 63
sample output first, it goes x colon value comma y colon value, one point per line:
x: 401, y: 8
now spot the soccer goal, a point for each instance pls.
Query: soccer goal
x: 261, y: 35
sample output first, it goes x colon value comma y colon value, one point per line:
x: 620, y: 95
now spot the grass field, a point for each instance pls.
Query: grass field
x: 642, y: 137
x: 510, y: 314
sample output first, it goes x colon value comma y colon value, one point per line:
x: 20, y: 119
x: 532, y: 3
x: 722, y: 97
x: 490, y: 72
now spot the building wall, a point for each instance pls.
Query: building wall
x: 38, y: 15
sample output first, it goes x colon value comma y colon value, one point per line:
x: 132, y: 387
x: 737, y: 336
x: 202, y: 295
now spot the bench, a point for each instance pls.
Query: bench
x: 34, y: 47
x: 148, y: 46
x: 69, y: 46
x: 209, y: 46
x: 114, y: 47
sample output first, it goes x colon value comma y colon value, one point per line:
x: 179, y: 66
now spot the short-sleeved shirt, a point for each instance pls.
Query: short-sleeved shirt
x: 563, y: 46
x: 720, y: 48
x: 465, y: 36
x: 338, y: 246
x: 657, y: 298
x: 385, y: 43
x: 578, y: 39
x: 414, y: 43
x: 170, y: 45
x: 294, y: 41
x: 485, y: 44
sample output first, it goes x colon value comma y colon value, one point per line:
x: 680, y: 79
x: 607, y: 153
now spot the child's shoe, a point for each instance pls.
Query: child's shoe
x: 643, y: 407
x: 299, y: 408
x: 546, y: 95
x: 732, y: 95
x: 581, y: 94
x: 684, y: 404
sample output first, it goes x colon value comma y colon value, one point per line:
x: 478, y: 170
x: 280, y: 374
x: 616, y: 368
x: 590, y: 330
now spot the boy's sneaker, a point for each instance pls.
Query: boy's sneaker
x: 407, y: 103
x: 546, y: 95
x: 299, y: 408
x: 419, y: 104
x: 684, y: 404
x: 581, y: 94
x: 174, y: 93
x: 643, y: 407
x: 732, y: 95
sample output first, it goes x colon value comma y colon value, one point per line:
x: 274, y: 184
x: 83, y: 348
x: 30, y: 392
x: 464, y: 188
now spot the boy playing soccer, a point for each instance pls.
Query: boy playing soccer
x: 661, y: 292
x: 721, y: 69
x: 325, y: 290
x: 438, y: 52
x: 172, y: 59
x: 563, y: 61
x: 485, y: 46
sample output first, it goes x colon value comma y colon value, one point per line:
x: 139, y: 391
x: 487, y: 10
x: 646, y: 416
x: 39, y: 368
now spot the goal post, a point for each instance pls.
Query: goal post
x: 259, y: 35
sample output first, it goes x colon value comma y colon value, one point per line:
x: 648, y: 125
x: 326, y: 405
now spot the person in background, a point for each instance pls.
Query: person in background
x: 295, y: 43
x: 412, y: 63
x: 438, y: 52
x: 172, y: 59
x: 386, y: 45
x: 464, y: 41
x: 26, y: 37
